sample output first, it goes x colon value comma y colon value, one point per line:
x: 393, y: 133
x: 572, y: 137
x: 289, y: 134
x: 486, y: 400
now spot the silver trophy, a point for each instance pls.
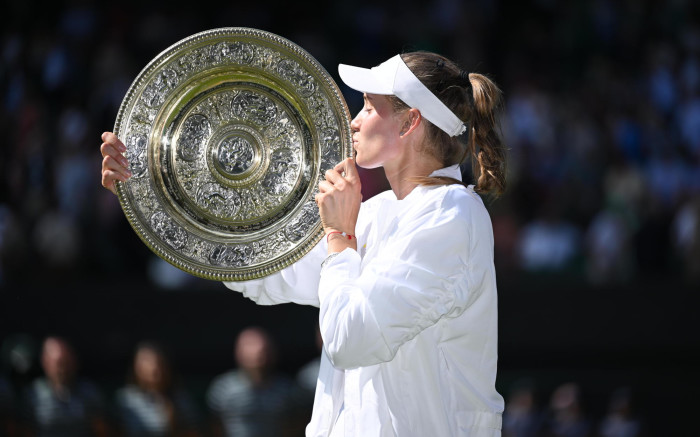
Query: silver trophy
x: 228, y: 133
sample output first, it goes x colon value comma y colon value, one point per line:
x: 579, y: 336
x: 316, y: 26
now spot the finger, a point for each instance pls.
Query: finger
x: 109, y: 178
x: 109, y: 150
x: 110, y: 138
x: 109, y: 163
x: 336, y: 180
x: 348, y: 168
x: 110, y: 187
x: 325, y: 187
x: 333, y: 176
x: 339, y: 167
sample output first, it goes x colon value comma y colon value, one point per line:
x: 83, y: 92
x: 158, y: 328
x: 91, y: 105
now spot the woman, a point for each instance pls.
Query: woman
x: 405, y: 282
x: 151, y: 405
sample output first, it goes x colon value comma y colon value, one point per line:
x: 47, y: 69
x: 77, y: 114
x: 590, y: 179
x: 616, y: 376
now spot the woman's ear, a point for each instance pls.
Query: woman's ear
x: 411, y: 122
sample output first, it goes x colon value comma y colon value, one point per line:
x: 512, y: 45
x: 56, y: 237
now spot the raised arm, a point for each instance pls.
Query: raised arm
x: 420, y: 276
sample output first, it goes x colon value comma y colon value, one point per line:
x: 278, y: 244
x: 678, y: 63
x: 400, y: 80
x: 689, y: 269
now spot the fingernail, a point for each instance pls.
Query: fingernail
x: 122, y: 148
x: 125, y: 163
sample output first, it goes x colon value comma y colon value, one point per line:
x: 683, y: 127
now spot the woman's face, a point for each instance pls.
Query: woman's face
x: 376, y: 132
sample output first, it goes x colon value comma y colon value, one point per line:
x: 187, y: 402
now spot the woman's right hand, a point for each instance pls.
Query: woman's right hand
x: 115, y: 167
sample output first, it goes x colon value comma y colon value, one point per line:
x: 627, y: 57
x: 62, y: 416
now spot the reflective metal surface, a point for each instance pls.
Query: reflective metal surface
x: 228, y: 133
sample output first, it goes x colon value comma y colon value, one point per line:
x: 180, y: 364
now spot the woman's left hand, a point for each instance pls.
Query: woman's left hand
x: 339, y: 198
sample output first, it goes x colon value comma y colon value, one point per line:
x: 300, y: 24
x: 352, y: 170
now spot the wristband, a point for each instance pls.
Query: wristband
x: 344, y: 234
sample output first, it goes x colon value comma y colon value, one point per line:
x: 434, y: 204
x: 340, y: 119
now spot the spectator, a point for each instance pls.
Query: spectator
x: 61, y: 404
x: 566, y: 415
x: 620, y: 420
x: 625, y: 188
x: 151, y: 404
x: 255, y: 401
x: 522, y: 417
x: 549, y: 243
x: 608, y: 244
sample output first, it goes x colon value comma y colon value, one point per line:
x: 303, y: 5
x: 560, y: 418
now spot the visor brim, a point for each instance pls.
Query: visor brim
x: 363, y: 80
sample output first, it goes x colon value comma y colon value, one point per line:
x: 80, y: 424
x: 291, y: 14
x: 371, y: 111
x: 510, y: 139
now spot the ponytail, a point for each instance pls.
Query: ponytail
x: 484, y: 143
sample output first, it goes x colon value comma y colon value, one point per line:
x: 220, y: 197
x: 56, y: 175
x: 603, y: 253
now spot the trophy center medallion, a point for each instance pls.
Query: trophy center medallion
x: 236, y: 154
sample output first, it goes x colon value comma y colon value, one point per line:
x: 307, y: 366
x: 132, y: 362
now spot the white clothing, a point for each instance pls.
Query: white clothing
x: 408, y: 321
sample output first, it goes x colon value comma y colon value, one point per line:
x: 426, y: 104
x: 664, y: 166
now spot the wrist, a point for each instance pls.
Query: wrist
x: 339, y: 241
x: 333, y: 234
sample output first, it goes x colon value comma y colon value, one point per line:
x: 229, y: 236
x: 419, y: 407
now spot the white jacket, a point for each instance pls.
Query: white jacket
x: 409, y: 321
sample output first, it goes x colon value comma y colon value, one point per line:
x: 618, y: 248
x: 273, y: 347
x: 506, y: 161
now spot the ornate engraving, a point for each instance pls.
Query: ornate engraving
x: 216, y: 109
x: 302, y: 224
x: 265, y: 249
x: 220, y: 52
x: 218, y: 201
x: 199, y: 59
x: 242, y: 53
x: 253, y: 204
x: 144, y: 118
x: 283, y: 164
x: 136, y: 146
x: 168, y: 231
x: 143, y: 191
x: 330, y: 147
x: 254, y: 107
x: 321, y: 111
x: 195, y: 131
x: 232, y: 256
x: 155, y: 92
x: 293, y: 72
x: 235, y: 155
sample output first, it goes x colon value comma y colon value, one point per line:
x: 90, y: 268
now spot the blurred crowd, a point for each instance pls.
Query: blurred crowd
x: 253, y: 399
x: 602, y: 119
x: 566, y: 414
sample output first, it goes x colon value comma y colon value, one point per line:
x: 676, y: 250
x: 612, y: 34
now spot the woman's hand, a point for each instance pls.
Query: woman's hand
x: 339, y: 199
x: 115, y: 167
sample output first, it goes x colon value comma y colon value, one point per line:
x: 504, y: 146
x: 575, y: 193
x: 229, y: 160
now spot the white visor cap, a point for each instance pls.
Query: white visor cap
x: 393, y: 77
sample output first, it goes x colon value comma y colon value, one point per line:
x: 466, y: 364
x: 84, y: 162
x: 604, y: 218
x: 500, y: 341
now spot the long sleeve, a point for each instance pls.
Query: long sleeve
x: 297, y: 283
x: 369, y: 310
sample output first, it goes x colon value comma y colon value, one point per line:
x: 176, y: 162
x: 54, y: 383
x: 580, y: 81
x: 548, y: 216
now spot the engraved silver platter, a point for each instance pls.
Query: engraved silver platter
x: 228, y: 133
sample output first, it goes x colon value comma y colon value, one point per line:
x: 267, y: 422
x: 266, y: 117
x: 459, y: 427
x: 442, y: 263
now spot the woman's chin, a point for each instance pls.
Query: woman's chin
x: 364, y: 164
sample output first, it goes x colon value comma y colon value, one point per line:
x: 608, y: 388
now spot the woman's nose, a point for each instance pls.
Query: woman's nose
x: 356, y: 122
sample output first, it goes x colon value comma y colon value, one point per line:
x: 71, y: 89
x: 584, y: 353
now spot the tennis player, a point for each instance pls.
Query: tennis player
x: 405, y: 282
